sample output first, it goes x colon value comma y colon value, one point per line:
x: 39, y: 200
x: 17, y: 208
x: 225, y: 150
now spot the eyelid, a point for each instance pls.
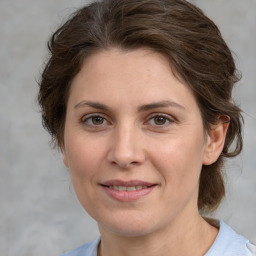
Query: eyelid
x: 85, y: 117
x: 156, y: 114
x: 168, y: 118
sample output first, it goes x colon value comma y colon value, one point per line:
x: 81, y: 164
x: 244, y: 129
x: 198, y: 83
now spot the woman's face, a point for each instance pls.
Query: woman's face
x: 134, y: 142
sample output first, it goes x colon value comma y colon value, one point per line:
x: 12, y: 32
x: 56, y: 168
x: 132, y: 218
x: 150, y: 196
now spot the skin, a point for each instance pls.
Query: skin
x: 146, y: 126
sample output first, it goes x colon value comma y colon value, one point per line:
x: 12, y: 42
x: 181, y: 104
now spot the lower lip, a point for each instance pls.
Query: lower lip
x: 127, y: 196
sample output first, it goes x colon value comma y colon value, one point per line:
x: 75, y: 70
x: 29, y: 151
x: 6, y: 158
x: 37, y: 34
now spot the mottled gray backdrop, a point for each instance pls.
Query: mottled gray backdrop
x: 39, y: 213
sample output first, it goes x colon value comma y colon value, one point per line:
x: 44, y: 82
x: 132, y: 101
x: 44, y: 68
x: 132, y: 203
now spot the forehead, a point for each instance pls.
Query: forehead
x: 137, y: 76
x: 139, y: 61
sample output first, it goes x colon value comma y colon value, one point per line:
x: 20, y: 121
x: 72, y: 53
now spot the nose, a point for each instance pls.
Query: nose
x: 126, y: 148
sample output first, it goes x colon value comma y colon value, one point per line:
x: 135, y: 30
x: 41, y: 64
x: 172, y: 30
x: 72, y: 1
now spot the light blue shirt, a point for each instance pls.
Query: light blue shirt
x: 227, y: 243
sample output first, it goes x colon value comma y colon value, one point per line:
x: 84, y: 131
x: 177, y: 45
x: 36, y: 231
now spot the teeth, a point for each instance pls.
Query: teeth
x: 131, y: 188
x: 123, y: 188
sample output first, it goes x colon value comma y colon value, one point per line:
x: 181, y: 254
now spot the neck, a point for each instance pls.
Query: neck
x: 192, y: 237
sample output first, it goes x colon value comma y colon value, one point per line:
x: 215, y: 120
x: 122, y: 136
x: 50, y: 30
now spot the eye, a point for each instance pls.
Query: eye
x: 94, y: 120
x: 160, y: 120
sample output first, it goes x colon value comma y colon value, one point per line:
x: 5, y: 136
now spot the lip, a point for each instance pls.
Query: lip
x: 129, y: 183
x: 127, y: 196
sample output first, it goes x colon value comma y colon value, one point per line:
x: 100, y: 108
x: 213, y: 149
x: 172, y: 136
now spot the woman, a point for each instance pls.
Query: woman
x: 137, y: 95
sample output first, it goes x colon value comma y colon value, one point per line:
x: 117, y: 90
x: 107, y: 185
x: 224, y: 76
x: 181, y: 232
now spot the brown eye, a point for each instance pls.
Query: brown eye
x: 160, y: 120
x: 97, y: 120
x: 94, y: 120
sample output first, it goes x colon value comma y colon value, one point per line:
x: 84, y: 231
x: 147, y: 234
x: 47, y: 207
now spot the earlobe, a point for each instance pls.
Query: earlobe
x: 64, y: 157
x: 216, y: 140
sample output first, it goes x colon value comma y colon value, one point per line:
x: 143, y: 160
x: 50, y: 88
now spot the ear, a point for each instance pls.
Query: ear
x: 64, y: 156
x: 215, y: 140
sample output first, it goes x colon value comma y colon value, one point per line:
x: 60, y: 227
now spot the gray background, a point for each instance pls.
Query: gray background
x: 39, y: 213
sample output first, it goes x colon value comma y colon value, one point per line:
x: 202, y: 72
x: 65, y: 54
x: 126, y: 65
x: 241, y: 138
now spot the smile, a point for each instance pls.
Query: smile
x: 122, y: 188
x: 127, y: 191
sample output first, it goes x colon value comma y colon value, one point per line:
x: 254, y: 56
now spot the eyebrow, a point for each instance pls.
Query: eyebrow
x: 92, y: 104
x: 142, y: 108
x: 160, y: 104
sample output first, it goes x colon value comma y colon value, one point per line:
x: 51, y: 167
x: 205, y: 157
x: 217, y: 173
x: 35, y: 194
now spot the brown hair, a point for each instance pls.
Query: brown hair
x: 175, y: 28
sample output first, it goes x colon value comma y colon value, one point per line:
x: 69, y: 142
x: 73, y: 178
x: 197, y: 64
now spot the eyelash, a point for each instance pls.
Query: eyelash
x: 85, y: 120
x: 88, y: 120
x: 168, y: 120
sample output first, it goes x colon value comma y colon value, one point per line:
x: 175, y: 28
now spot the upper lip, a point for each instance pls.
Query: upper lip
x: 129, y: 183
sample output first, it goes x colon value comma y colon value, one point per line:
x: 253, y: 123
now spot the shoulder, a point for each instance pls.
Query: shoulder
x: 228, y: 242
x: 88, y: 249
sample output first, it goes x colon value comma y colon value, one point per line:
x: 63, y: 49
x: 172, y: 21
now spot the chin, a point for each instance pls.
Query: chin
x: 129, y: 225
x: 130, y: 231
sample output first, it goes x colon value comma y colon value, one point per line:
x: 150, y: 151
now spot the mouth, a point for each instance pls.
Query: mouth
x: 126, y: 191
x: 123, y: 188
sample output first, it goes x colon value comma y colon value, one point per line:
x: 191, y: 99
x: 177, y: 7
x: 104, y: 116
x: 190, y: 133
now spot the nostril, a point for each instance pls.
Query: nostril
x: 134, y: 163
x: 124, y: 165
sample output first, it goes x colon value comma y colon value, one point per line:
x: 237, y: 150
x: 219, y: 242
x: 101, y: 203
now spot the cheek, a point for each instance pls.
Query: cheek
x: 82, y: 155
x: 84, y: 161
x: 180, y: 158
x: 179, y: 166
